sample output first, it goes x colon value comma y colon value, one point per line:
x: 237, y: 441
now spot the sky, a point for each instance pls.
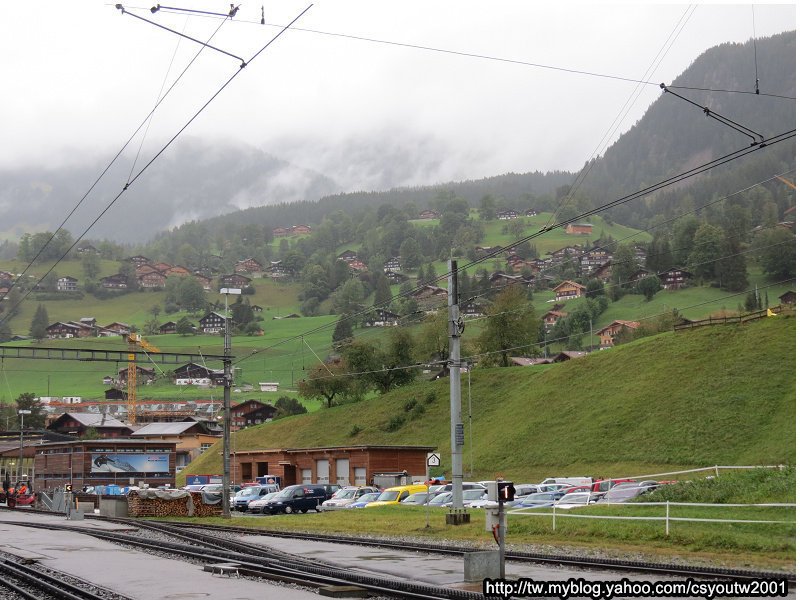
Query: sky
x: 448, y: 89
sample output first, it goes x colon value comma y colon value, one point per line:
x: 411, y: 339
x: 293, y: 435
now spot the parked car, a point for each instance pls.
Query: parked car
x: 245, y: 496
x: 468, y: 496
x: 364, y: 500
x: 346, y: 495
x: 395, y: 495
x: 575, y: 499
x: 540, y: 500
x: 417, y: 499
x: 624, y: 492
x: 257, y: 504
x: 296, y: 498
x: 330, y: 489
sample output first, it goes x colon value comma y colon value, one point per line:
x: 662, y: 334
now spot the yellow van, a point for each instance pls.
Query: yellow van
x: 395, y: 495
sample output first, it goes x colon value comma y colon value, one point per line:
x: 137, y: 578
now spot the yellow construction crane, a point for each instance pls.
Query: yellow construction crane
x: 135, y: 341
x: 786, y: 181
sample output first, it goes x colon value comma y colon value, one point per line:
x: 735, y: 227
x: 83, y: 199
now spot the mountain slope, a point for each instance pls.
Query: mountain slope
x: 721, y: 395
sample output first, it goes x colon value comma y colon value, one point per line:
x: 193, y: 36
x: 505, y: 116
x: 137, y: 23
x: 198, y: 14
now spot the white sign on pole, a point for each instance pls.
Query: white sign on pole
x: 434, y: 460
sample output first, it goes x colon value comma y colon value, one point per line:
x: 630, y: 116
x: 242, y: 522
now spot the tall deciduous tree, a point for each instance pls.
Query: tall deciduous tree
x: 29, y: 401
x: 706, y: 251
x: 383, y: 366
x: 328, y: 383
x: 511, y: 328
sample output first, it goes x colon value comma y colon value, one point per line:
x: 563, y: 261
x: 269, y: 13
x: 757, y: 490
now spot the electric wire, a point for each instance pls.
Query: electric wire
x: 755, y: 50
x: 490, y: 57
x: 146, y: 120
x: 680, y: 177
x: 159, y: 153
x: 626, y: 108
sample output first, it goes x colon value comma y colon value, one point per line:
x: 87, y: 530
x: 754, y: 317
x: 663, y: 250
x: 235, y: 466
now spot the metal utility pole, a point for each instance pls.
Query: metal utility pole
x: 226, y: 410
x: 21, y: 414
x: 455, y: 329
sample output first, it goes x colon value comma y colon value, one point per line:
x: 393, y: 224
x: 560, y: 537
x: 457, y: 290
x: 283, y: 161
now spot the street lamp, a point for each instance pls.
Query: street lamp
x: 21, y: 413
x: 226, y: 410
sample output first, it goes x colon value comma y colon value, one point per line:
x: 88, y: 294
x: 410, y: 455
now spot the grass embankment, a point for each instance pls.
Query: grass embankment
x: 713, y: 396
x: 769, y: 546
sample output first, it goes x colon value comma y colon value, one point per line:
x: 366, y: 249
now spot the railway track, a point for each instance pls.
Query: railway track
x: 263, y: 562
x: 32, y: 583
x: 524, y: 557
x: 204, y: 543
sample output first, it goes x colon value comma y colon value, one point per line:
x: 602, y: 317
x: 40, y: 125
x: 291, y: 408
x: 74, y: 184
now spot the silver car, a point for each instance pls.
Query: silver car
x: 345, y: 496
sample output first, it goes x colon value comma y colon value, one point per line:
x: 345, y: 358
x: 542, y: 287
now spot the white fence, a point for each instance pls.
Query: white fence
x: 715, y: 468
x: 556, y: 513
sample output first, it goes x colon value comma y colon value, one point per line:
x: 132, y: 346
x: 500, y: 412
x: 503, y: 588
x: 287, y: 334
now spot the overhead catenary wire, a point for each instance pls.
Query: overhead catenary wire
x: 160, y: 152
x: 113, y: 161
x: 664, y: 183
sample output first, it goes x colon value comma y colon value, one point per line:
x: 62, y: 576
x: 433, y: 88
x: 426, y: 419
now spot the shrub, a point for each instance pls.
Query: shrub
x: 395, y: 423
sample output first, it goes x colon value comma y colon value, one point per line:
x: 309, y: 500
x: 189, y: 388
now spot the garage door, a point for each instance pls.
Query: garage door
x: 343, y: 471
x: 360, y: 474
x: 323, y: 471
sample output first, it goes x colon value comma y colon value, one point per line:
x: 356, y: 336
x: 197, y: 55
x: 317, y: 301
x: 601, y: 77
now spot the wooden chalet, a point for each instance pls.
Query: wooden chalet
x: 177, y: 271
x: 638, y: 275
x: 152, y: 281
x: 551, y: 317
x: 498, y: 279
x: 593, y: 258
x: 357, y: 266
x: 301, y: 229
x: 280, y: 232
x: 507, y: 215
x: 674, y: 279
x: 67, y: 284
x: 566, y: 290
x: 204, y: 281
x: 579, y: 228
x: 251, y: 412
x: 194, y: 374
x: 603, y: 272
x: 77, y: 424
x: 381, y: 317
x: 70, y: 329
x: 235, y: 280
x: 522, y: 361
x: 348, y: 255
x: 473, y: 308
x: 85, y: 247
x: 531, y: 212
x: 114, y: 282
x: 430, y: 297
x: 143, y: 375
x: 787, y: 297
x: 213, y: 322
x: 429, y: 214
x: 396, y: 277
x: 568, y: 355
x: 392, y: 265
x: 248, y: 265
x: 610, y: 332
x: 163, y: 267
x: 168, y: 327
x: 115, y: 328
x: 139, y: 260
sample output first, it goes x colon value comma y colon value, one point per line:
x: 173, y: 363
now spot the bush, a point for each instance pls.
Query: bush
x: 395, y: 423
x: 355, y: 430
x: 409, y: 406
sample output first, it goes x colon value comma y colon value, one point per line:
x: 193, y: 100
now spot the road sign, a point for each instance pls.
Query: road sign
x: 434, y: 460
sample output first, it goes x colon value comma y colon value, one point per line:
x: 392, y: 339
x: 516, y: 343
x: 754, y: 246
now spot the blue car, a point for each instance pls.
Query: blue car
x: 364, y: 500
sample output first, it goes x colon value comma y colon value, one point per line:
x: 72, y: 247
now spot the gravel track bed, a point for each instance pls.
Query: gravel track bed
x: 8, y: 594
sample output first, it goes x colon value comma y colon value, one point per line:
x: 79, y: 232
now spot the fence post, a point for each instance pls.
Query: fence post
x: 716, y: 470
x: 554, y: 517
x: 667, y: 519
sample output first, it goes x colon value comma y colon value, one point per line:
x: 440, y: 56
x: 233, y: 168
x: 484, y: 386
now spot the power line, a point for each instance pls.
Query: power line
x: 161, y: 151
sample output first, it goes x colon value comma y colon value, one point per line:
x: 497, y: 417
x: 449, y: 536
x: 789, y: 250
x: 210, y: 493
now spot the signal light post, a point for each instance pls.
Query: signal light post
x: 505, y: 493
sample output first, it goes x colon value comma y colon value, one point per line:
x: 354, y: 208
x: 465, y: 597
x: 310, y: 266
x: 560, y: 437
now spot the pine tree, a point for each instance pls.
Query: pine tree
x: 39, y: 323
x: 343, y: 332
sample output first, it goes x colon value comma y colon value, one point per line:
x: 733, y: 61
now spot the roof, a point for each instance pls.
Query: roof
x: 94, y: 419
x: 569, y: 283
x: 175, y: 428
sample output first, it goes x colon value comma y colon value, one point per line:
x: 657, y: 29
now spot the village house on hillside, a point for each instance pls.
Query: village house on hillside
x: 212, y: 322
x: 380, y: 317
x: 430, y: 297
x: 114, y: 282
x: 194, y: 374
x: 429, y: 214
x: 551, y: 317
x: 787, y: 297
x: 139, y: 260
x: 67, y: 284
x: 674, y: 279
x: 507, y: 215
x: 579, y: 228
x: 610, y: 332
x: 248, y: 265
x: 566, y: 290
x: 235, y: 280
x: 251, y: 412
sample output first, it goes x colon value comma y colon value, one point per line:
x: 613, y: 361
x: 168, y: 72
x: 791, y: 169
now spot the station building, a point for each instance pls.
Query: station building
x: 345, y: 465
x: 121, y: 462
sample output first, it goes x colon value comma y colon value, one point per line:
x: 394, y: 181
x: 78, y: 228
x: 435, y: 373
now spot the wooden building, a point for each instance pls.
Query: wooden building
x: 104, y: 462
x: 345, y: 465
x: 78, y: 423
x: 610, y: 332
x: 567, y: 290
x: 674, y: 279
x: 579, y: 228
x: 251, y: 412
